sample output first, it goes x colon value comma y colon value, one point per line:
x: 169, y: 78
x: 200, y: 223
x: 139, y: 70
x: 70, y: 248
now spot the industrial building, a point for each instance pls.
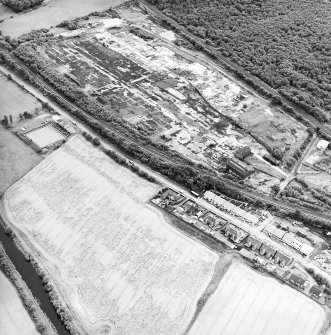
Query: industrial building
x: 240, y: 168
x: 243, y: 153
x: 270, y: 159
x: 322, y: 145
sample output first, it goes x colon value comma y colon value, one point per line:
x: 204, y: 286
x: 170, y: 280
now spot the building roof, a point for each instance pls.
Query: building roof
x: 288, y: 238
x: 243, y: 152
x: 280, y: 257
x: 233, y: 230
x: 254, y: 241
x: 296, y: 244
x: 239, y: 167
x: 322, y: 145
x: 268, y: 249
x: 209, y: 219
x: 273, y: 230
x: 306, y: 249
x: 316, y: 290
x: 270, y: 158
x: 298, y: 280
x: 219, y: 201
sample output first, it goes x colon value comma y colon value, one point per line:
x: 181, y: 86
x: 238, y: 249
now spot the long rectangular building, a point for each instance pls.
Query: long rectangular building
x: 240, y: 168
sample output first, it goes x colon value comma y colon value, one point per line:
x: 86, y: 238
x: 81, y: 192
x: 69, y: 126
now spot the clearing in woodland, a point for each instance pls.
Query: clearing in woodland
x: 14, y: 319
x: 116, y: 262
x: 247, y: 303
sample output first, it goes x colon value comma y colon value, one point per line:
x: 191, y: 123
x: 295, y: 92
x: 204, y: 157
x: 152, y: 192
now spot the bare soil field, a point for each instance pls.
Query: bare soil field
x: 14, y: 319
x: 118, y: 265
x: 52, y: 14
x: 248, y: 303
x: 14, y: 100
x: 16, y: 159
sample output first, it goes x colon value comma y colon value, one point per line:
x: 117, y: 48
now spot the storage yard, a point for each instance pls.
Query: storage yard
x: 14, y: 319
x: 248, y: 303
x: 133, y: 67
x: 86, y: 219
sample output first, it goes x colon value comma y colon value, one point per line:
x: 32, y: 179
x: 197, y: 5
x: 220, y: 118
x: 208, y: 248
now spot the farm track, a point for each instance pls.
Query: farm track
x: 223, y: 60
x: 249, y: 193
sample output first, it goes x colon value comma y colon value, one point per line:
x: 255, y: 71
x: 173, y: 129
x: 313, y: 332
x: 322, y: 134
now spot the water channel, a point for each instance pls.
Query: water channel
x: 32, y: 280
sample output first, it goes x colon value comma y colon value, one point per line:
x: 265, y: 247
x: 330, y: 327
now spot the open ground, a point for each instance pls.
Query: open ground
x: 16, y: 157
x: 52, y: 14
x: 14, y: 100
x: 117, y: 263
x: 14, y: 319
x: 248, y: 303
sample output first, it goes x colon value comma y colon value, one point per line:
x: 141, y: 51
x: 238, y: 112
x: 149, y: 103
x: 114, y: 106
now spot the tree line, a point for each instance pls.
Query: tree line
x: 20, y: 5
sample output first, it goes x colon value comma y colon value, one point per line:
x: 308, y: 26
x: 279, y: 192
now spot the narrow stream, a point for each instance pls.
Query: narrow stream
x: 32, y: 280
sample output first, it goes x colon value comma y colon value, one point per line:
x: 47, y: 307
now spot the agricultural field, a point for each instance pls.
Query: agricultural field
x: 16, y: 157
x: 119, y: 265
x: 248, y: 303
x: 51, y: 14
x: 14, y: 319
x: 14, y: 100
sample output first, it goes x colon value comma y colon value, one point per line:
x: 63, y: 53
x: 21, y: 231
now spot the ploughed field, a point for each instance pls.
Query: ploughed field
x: 119, y: 266
x: 14, y: 319
x: 247, y: 303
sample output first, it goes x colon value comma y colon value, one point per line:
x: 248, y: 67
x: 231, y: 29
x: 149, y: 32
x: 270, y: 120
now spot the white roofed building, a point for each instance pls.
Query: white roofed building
x: 322, y: 145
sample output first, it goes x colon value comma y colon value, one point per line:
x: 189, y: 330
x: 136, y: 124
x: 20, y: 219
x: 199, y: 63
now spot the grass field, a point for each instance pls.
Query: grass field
x: 13, y: 100
x: 45, y: 136
x: 52, y: 14
x: 14, y: 320
x: 120, y: 267
x: 248, y: 303
x: 16, y: 159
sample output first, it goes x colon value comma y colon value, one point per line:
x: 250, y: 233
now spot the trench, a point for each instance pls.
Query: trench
x: 32, y: 279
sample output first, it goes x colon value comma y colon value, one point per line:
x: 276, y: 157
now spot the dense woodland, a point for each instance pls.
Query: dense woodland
x: 287, y: 44
x: 20, y: 5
